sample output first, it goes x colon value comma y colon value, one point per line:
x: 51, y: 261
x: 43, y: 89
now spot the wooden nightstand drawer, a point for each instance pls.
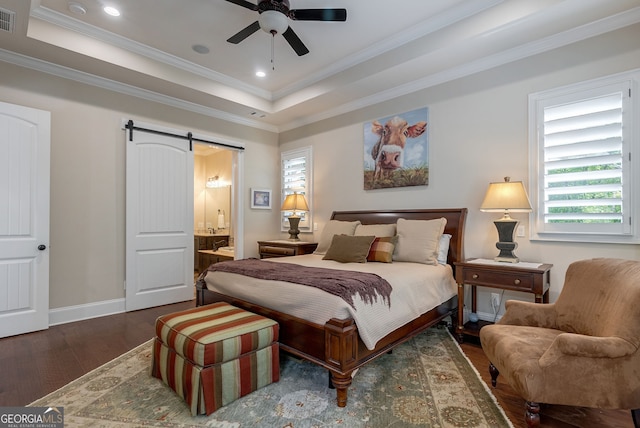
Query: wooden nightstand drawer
x: 266, y: 250
x: 513, y: 281
x: 285, y: 248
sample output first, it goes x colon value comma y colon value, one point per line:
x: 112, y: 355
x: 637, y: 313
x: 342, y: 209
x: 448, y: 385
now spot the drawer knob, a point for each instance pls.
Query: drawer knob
x: 475, y: 276
x: 516, y: 282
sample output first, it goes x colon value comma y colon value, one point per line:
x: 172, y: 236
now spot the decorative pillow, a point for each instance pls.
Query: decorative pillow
x: 334, y: 227
x: 382, y: 249
x: 376, y: 230
x: 349, y: 249
x: 443, y: 248
x: 418, y: 240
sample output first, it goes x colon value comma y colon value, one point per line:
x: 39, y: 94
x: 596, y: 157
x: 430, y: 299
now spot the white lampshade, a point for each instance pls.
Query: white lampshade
x: 272, y: 21
x: 506, y: 196
x: 295, y: 202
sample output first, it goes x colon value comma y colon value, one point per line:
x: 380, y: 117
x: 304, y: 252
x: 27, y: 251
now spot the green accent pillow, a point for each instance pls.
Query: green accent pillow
x: 349, y: 249
x: 334, y: 227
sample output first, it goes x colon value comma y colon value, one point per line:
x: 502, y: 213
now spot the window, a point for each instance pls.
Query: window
x: 297, y: 177
x: 582, y: 173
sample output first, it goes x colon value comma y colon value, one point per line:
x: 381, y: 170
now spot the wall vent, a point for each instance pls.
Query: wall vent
x: 7, y: 20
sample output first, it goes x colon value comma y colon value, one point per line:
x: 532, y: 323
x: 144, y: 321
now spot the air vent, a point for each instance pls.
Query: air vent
x: 7, y: 20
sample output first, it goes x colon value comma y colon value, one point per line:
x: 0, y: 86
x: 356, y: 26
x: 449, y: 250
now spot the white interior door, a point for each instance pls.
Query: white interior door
x: 159, y: 217
x: 25, y: 135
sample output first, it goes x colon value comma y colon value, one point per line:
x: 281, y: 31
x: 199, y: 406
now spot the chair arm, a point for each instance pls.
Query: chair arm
x: 529, y: 314
x: 580, y: 345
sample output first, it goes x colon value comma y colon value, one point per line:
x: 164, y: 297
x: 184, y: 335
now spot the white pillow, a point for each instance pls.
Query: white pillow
x: 443, y: 248
x: 334, y: 227
x: 418, y: 240
x: 377, y: 230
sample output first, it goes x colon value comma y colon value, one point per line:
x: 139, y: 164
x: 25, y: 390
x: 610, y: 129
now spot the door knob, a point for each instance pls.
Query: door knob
x: 42, y: 247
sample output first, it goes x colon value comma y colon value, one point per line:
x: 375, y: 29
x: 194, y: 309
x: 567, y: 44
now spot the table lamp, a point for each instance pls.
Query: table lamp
x: 507, y: 196
x: 294, y: 202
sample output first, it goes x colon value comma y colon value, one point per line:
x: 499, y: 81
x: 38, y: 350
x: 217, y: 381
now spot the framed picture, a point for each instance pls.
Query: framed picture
x: 396, y: 150
x: 261, y: 199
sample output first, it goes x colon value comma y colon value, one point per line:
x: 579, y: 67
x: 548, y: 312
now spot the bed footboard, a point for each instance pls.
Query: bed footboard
x: 335, y: 345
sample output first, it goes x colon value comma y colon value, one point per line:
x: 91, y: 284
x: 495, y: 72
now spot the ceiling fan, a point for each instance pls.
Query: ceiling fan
x: 273, y: 20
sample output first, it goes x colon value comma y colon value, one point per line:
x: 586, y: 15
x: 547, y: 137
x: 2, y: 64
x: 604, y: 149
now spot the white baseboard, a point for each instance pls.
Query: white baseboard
x: 86, y: 311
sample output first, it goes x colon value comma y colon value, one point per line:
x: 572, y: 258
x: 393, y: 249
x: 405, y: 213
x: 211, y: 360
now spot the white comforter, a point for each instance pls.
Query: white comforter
x: 417, y: 288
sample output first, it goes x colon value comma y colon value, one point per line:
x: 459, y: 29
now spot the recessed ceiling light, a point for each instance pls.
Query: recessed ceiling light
x: 201, y: 49
x: 260, y: 73
x: 110, y: 10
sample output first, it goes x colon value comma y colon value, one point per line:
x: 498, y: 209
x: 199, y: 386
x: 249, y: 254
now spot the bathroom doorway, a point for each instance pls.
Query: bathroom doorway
x: 214, y: 216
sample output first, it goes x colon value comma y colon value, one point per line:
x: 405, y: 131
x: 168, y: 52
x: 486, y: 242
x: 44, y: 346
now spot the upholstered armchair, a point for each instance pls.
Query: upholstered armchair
x: 581, y: 350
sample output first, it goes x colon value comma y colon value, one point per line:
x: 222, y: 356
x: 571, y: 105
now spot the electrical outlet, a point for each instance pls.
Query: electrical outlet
x: 495, y: 301
x: 520, y: 232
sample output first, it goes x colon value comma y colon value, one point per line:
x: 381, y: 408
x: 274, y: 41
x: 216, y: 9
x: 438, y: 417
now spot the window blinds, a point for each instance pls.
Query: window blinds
x: 583, y: 161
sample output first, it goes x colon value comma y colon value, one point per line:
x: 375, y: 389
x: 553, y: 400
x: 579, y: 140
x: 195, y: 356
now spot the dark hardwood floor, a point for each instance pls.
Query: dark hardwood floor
x: 35, y: 364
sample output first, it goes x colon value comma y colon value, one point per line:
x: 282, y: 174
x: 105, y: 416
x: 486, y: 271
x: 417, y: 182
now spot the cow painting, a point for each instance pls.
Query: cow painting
x: 388, y: 151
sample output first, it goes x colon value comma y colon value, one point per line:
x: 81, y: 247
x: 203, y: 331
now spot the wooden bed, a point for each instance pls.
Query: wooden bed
x: 336, y: 345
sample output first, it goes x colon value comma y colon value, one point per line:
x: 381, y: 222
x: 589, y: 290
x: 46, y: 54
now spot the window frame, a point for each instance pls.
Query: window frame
x: 306, y: 222
x: 627, y: 232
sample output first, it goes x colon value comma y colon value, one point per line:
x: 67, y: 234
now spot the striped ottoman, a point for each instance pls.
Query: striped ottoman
x: 212, y: 355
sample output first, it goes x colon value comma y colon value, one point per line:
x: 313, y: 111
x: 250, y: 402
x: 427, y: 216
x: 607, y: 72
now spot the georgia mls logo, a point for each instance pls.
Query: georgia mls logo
x: 31, y: 417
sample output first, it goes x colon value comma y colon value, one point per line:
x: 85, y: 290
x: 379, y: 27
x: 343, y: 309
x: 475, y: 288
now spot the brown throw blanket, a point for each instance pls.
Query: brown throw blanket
x: 342, y: 283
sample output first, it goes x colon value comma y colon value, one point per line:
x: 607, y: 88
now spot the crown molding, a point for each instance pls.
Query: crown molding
x: 112, y: 85
x: 596, y: 28
x: 70, y: 23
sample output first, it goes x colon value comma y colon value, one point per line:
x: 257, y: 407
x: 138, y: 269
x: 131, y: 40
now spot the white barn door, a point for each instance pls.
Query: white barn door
x: 159, y: 219
x: 25, y: 135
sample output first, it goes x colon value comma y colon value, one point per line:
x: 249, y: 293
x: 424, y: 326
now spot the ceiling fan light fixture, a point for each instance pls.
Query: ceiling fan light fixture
x: 272, y: 22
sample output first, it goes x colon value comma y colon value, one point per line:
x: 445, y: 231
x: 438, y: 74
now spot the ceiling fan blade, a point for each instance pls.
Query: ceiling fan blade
x: 244, y: 3
x: 318, y: 14
x: 295, y: 42
x: 244, y: 33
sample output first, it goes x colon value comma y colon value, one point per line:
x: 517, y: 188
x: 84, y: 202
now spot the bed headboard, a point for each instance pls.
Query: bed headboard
x: 455, y: 223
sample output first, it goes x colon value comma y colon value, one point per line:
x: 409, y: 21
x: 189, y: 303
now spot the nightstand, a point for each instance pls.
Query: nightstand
x: 525, y: 277
x: 285, y: 248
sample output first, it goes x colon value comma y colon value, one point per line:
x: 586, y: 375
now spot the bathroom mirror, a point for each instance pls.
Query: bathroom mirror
x: 212, y: 191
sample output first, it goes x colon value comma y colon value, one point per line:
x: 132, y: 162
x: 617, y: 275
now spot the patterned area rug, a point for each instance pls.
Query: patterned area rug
x: 426, y: 382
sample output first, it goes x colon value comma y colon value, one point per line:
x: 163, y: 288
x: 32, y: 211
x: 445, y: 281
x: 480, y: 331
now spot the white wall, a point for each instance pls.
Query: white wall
x: 87, y: 259
x: 477, y: 134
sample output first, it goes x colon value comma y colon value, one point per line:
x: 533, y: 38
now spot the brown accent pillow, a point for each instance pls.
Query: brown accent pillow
x: 334, y: 227
x: 349, y: 249
x: 382, y: 249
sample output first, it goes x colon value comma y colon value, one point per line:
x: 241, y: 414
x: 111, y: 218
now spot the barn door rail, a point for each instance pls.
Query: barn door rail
x: 131, y: 127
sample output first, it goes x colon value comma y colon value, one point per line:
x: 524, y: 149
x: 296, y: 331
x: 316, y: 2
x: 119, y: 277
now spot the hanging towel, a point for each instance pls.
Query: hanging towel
x: 221, y: 224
